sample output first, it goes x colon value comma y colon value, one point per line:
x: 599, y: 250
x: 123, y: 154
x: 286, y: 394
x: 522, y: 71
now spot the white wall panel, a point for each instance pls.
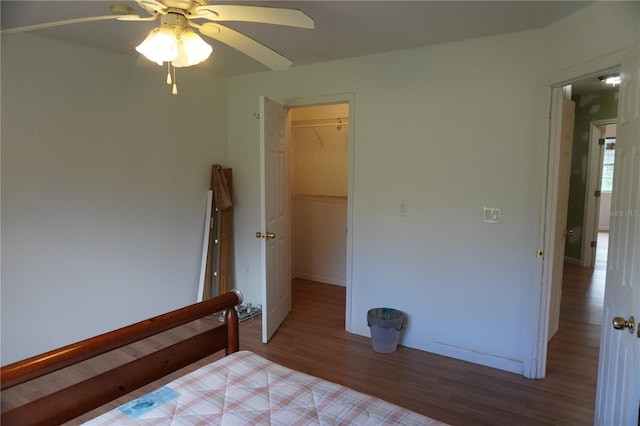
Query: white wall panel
x: 104, y: 188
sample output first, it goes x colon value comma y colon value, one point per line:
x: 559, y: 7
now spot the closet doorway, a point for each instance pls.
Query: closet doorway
x: 319, y: 182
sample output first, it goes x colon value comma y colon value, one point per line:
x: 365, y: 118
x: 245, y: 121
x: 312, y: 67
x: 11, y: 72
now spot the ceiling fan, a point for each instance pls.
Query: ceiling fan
x: 175, y: 43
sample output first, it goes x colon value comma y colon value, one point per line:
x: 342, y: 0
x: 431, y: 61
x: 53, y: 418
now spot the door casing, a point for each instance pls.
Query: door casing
x: 348, y: 98
x: 535, y: 361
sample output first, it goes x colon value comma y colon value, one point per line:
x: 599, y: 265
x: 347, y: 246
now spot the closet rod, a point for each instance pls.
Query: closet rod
x: 298, y: 126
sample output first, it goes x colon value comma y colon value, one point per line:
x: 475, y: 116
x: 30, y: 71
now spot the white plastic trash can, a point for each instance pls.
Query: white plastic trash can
x: 385, y: 325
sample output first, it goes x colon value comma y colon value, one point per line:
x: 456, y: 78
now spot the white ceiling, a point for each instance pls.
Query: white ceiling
x: 343, y: 28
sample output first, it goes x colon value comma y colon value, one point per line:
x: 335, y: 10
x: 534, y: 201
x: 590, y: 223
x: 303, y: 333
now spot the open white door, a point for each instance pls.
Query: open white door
x: 618, y: 394
x: 274, y: 189
x: 562, y: 130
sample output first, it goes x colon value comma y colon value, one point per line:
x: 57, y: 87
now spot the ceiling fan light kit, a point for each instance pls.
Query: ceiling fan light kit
x: 160, y: 46
x: 175, y: 44
x: 179, y: 46
x: 191, y: 49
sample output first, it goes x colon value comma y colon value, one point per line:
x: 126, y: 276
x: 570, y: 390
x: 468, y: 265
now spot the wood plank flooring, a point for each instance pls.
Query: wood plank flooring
x: 312, y: 339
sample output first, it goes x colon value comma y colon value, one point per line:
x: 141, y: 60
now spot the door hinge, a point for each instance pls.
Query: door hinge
x: 597, y: 193
x: 539, y: 253
x: 601, y: 141
x: 593, y: 243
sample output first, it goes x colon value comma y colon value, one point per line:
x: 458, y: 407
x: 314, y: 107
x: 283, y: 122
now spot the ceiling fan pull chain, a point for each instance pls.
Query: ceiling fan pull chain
x: 169, y: 73
x: 175, y: 87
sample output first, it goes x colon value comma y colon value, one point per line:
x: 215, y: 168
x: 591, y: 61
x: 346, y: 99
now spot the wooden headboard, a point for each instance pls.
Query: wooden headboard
x: 77, y: 399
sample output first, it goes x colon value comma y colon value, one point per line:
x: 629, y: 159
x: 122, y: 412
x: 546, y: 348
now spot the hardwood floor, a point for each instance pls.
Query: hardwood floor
x: 312, y: 339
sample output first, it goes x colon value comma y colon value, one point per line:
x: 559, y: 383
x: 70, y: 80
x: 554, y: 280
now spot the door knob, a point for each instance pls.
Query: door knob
x: 259, y: 235
x: 568, y: 233
x: 271, y: 235
x: 620, y: 323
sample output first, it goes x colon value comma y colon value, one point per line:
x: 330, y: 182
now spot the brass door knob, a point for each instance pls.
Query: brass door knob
x: 568, y: 233
x: 271, y: 235
x: 259, y: 235
x: 620, y: 323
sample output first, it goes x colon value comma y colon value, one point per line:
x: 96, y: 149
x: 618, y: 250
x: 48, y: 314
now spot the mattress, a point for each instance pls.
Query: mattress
x: 246, y: 389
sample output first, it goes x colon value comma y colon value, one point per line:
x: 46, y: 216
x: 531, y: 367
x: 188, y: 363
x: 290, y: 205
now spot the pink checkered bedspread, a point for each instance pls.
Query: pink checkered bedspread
x: 246, y: 389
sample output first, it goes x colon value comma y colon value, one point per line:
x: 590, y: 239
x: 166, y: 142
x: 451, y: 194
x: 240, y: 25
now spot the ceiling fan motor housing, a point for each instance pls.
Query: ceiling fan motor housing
x: 183, y: 4
x: 174, y: 19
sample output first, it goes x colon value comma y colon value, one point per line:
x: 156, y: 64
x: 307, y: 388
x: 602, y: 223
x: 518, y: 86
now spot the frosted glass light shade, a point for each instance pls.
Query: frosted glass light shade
x: 191, y: 49
x: 161, y: 45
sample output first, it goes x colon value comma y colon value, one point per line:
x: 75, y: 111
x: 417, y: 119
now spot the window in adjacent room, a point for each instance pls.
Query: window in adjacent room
x: 608, y: 164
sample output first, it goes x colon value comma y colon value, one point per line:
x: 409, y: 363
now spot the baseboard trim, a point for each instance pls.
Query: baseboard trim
x: 572, y: 260
x: 320, y: 278
x: 464, y: 354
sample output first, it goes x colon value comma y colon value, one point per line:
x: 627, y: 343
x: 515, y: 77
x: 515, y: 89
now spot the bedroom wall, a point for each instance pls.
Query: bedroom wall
x: 104, y: 186
x: 421, y: 140
x: 449, y: 129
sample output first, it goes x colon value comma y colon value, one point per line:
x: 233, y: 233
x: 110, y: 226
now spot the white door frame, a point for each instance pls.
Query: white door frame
x: 338, y: 99
x: 535, y: 362
x: 591, y: 204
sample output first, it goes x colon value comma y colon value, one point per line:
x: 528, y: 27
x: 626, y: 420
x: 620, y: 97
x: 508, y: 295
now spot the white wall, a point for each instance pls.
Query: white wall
x: 319, y: 238
x: 449, y: 129
x: 604, y: 212
x: 104, y: 186
x: 319, y: 154
x: 440, y: 264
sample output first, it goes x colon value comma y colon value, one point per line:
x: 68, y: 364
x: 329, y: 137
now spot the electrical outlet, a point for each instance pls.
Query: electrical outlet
x: 403, y: 208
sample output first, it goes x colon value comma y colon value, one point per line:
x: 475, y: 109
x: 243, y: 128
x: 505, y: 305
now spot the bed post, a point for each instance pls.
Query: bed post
x: 233, y: 330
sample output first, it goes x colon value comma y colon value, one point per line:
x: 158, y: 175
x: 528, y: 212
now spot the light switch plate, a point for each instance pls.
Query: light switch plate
x: 491, y: 215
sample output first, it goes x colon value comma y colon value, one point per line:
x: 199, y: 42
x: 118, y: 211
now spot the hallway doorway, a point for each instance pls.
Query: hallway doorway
x: 584, y: 270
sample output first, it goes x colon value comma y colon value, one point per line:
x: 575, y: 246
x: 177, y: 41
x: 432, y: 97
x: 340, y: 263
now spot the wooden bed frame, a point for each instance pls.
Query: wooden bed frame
x: 77, y: 399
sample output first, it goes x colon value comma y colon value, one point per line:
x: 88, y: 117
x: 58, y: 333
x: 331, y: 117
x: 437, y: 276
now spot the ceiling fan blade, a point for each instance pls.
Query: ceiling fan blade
x: 262, y: 14
x: 75, y: 21
x: 246, y: 45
